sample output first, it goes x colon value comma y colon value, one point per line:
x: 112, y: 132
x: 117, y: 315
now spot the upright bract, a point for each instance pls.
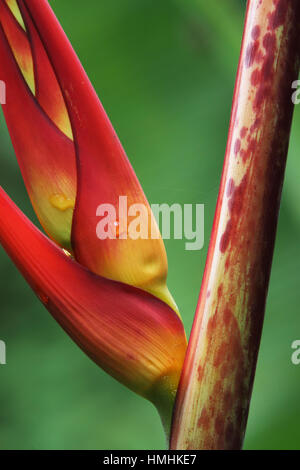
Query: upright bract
x: 38, y: 123
x: 70, y: 157
x: 215, y: 388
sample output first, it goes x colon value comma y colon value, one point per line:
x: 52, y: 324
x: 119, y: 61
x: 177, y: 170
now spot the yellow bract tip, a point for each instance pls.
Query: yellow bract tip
x: 13, y: 6
x: 163, y: 293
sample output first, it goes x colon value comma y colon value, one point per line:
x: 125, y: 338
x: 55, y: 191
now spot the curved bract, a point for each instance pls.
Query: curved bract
x: 132, y: 335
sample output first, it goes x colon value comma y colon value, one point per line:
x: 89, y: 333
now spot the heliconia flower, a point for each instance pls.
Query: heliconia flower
x: 70, y: 157
x: 110, y: 295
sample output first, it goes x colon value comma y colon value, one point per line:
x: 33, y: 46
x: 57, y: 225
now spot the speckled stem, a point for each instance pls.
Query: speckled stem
x: 214, y: 393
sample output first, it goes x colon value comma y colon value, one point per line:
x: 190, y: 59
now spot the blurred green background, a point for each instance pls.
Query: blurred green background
x: 165, y: 73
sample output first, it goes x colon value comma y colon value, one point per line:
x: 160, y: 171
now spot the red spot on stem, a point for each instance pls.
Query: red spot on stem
x: 255, y: 77
x: 224, y: 242
x: 230, y: 187
x: 251, y: 53
x: 243, y: 132
x: 237, y: 146
x: 276, y: 19
x: 255, y: 33
x: 204, y: 420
